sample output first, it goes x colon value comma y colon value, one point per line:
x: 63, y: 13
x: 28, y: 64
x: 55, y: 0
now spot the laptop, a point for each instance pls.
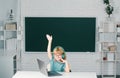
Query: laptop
x: 44, y: 70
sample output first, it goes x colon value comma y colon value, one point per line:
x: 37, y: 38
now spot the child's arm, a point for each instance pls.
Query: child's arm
x: 49, y: 46
x: 67, y: 65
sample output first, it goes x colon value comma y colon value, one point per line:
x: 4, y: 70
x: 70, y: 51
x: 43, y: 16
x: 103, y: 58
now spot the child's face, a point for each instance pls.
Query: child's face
x: 57, y: 57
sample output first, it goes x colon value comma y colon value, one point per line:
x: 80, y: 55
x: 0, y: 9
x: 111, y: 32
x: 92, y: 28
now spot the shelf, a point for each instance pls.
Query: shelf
x: 10, y: 46
x: 13, y: 51
x: 109, y: 51
x: 117, y: 60
x: 106, y: 61
x: 1, y: 49
x: 11, y: 30
x: 108, y: 37
x: 1, y: 39
x: 9, y: 35
x: 112, y: 76
x: 1, y: 30
x: 107, y: 32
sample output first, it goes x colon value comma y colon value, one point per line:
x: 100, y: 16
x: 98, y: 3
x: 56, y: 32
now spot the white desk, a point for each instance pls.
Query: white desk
x: 37, y: 74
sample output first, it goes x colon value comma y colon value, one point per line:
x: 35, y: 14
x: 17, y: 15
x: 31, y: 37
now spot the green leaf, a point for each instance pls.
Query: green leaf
x: 106, y: 2
x: 109, y: 9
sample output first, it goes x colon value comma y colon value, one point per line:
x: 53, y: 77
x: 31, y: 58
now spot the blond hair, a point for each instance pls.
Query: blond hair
x: 59, y: 50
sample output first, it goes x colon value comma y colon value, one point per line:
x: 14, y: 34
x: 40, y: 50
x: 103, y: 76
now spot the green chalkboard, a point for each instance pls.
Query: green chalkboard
x: 74, y: 34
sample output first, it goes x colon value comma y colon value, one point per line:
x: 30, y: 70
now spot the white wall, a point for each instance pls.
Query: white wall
x: 65, y: 8
x: 59, y: 8
x: 6, y: 67
x: 5, y: 7
x: 70, y: 8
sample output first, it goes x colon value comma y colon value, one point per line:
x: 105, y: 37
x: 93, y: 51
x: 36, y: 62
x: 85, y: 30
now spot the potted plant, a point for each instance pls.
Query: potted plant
x: 106, y: 2
x: 109, y: 9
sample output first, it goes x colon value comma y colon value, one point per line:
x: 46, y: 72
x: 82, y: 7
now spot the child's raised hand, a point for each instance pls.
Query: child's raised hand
x: 49, y: 37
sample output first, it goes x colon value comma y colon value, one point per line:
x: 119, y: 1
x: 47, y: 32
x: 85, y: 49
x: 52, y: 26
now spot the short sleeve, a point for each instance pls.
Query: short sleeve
x: 63, y: 68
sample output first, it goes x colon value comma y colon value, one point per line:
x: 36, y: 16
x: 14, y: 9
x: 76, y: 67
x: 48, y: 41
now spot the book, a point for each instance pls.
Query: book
x: 11, y: 26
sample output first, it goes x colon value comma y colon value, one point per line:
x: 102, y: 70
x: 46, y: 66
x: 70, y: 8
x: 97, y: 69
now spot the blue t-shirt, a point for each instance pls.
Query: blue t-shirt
x: 56, y: 66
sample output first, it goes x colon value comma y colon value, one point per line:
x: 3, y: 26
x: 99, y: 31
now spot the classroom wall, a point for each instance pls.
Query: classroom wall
x: 66, y: 8
x: 60, y: 8
x: 6, y: 67
x: 5, y: 7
